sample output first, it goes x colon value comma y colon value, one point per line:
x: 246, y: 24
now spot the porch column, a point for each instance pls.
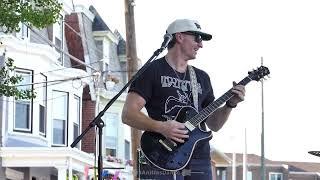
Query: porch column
x: 70, y: 168
x: 62, y: 172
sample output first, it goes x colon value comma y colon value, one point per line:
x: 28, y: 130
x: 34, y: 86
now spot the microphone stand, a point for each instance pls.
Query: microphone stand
x: 97, y: 121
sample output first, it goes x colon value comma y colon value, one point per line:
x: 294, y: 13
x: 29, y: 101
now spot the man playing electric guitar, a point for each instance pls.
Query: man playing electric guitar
x: 166, y: 87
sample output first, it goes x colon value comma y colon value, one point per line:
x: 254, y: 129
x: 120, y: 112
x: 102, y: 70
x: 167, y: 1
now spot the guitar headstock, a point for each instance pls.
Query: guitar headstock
x: 259, y: 73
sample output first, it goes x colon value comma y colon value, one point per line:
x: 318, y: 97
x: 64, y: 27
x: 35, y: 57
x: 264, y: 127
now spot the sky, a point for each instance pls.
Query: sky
x: 284, y: 33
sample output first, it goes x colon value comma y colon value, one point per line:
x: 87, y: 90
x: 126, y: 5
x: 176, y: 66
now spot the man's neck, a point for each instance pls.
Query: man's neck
x: 176, y: 62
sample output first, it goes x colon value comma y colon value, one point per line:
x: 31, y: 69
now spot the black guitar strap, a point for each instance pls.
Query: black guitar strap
x: 193, y: 79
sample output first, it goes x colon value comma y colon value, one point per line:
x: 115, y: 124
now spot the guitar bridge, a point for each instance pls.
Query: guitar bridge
x: 165, y: 145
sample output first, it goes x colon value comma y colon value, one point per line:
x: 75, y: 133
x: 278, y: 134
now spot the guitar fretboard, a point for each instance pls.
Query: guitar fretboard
x: 206, y: 112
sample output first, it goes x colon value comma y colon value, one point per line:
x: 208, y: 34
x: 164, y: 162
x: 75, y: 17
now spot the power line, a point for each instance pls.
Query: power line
x: 59, y: 80
x: 33, y: 100
x: 42, y: 38
x: 72, y: 57
x: 64, y: 52
x: 58, y: 49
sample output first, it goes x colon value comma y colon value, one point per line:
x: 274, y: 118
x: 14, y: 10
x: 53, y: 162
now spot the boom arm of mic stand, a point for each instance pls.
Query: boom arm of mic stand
x: 97, y: 121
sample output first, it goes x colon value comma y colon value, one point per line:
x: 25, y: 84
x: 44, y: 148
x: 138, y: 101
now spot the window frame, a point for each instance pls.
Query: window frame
x: 66, y: 120
x: 127, y: 145
x: 77, y: 118
x: 275, y: 173
x: 24, y: 32
x: 58, y: 34
x: 44, y: 91
x: 111, y: 132
x: 23, y: 72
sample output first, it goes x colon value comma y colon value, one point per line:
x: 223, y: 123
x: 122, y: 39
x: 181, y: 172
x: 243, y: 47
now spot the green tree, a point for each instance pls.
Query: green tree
x: 36, y: 13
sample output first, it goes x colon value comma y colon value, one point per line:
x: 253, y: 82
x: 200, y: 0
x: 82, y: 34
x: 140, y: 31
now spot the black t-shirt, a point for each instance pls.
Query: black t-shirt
x: 166, y: 91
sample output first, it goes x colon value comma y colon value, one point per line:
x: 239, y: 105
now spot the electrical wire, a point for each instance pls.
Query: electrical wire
x: 53, y: 81
x: 61, y: 50
x: 40, y: 38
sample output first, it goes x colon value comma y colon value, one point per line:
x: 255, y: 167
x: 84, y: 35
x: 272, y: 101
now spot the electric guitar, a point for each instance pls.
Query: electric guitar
x: 169, y: 155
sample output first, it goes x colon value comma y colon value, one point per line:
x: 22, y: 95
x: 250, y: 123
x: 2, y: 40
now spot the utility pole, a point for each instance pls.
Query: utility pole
x: 234, y: 158
x: 263, y: 169
x: 2, y: 98
x: 245, y: 169
x: 132, y: 66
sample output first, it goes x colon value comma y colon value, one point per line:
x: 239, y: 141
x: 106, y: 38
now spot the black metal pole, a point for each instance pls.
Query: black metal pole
x: 97, y: 121
x: 100, y: 159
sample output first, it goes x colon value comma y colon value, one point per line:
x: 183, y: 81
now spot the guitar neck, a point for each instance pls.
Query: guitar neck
x: 206, y: 112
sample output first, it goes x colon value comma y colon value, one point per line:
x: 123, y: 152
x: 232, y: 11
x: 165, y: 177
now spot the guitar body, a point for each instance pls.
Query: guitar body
x: 167, y: 154
x: 172, y: 156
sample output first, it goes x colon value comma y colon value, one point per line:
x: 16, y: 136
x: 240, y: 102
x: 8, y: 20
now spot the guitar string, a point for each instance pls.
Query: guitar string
x: 198, y: 118
x: 195, y: 120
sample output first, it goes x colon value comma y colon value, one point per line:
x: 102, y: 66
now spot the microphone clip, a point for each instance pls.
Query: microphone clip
x: 166, y: 39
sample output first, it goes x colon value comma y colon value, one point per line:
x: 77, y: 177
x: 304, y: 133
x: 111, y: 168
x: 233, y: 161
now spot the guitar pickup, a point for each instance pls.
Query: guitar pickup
x: 189, y: 126
x: 165, y: 145
x: 171, y: 142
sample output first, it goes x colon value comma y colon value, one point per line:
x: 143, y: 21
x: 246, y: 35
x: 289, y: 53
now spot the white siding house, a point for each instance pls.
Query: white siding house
x: 36, y: 134
x: 36, y: 131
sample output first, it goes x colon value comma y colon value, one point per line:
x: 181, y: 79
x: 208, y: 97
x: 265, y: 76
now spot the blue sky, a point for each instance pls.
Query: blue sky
x: 286, y: 33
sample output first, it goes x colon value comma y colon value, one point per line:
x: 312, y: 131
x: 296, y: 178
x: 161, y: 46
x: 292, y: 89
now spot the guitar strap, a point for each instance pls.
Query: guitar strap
x: 194, y: 86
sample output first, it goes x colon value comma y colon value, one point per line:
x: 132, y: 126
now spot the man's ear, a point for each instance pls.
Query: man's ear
x: 179, y: 37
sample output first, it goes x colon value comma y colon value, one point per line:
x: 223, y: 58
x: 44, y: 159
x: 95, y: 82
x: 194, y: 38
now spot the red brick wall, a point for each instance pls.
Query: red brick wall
x: 88, y: 114
x: 74, y: 41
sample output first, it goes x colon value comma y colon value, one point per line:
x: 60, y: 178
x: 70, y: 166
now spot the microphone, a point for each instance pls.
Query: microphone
x: 167, y: 38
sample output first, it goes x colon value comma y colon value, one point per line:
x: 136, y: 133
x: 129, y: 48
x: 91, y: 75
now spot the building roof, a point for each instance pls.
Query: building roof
x: 302, y: 166
x: 254, y: 159
x: 251, y: 158
x: 121, y: 48
x: 98, y: 23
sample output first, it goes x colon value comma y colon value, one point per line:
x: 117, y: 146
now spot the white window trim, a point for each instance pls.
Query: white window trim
x: 77, y: 99
x: 45, y: 99
x: 106, y: 129
x: 30, y: 124
x: 58, y: 31
x: 23, y: 34
x: 65, y: 123
x: 125, y: 153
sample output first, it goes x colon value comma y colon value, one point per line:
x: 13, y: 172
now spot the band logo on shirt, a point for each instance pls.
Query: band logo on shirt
x: 184, y: 85
x: 182, y: 97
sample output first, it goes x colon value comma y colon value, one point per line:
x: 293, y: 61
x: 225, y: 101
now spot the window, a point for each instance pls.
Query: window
x: 111, y: 152
x: 24, y: 31
x: 60, y: 117
x: 58, y: 31
x: 111, y: 132
x: 42, y: 99
x: 221, y: 173
x: 249, y: 175
x: 23, y: 107
x: 275, y: 176
x: 126, y: 150
x: 99, y: 49
x: 76, y: 120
